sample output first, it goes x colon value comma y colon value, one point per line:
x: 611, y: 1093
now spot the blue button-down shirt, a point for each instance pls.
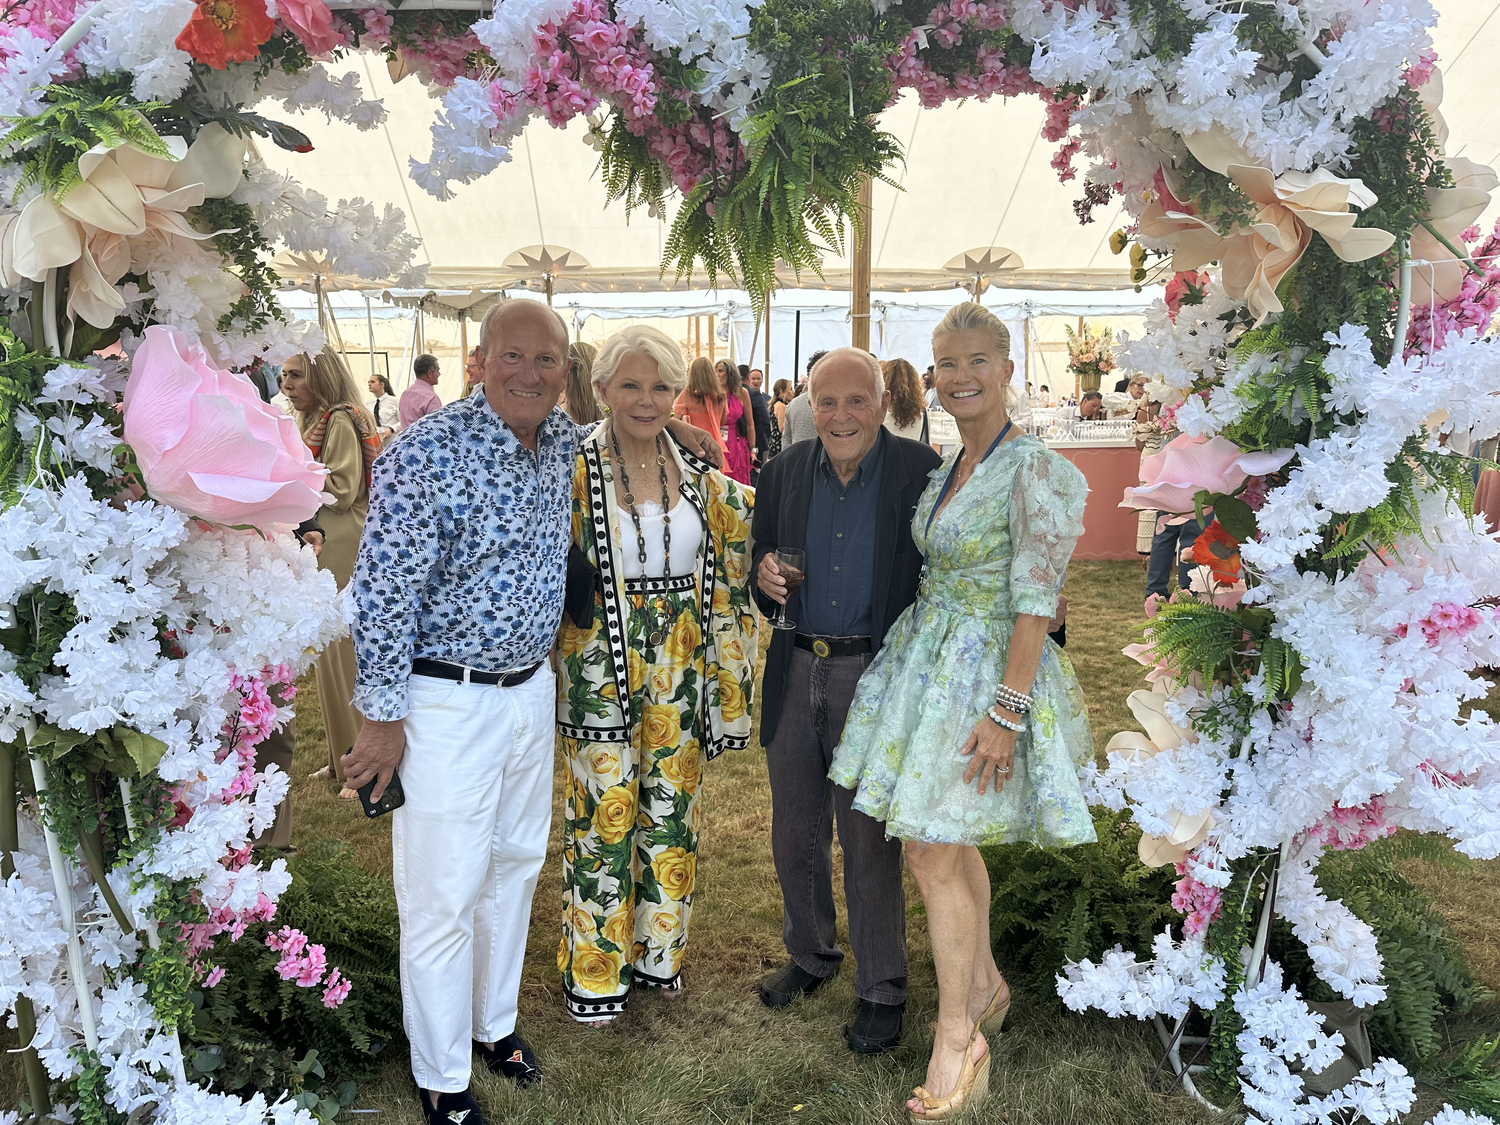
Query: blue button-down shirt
x: 840, y: 585
x: 464, y: 550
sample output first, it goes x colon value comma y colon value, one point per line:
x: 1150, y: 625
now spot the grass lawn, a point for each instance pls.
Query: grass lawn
x: 716, y: 1055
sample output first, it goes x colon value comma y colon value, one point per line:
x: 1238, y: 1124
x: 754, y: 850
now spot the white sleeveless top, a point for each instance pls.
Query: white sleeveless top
x: 687, y: 537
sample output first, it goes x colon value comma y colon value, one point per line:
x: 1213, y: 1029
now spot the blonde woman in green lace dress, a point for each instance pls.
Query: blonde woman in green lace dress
x: 969, y: 726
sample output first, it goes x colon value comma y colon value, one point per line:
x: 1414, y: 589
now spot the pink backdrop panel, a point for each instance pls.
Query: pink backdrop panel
x: 1108, y: 529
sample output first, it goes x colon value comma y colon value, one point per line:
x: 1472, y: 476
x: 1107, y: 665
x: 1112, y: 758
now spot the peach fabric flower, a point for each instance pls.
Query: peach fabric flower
x: 1162, y: 734
x: 206, y: 443
x: 1290, y: 208
x: 1173, y: 477
x: 125, y: 194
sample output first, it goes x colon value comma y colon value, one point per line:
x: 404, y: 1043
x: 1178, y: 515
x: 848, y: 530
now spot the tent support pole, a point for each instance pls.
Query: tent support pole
x: 1026, y: 351
x: 370, y: 331
x: 767, y: 358
x: 797, y: 349
x: 463, y: 339
x: 318, y: 300
x: 713, y: 340
x: 859, y: 312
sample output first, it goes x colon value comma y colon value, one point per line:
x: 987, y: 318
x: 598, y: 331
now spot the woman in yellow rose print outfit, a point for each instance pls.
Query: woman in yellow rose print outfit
x: 659, y: 682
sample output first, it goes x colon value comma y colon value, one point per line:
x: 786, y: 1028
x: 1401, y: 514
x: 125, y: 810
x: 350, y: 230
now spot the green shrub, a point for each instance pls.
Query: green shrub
x: 255, y: 1031
x: 1052, y: 905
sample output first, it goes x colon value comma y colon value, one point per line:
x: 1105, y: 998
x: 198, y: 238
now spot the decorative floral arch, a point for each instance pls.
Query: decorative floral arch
x: 1326, y: 379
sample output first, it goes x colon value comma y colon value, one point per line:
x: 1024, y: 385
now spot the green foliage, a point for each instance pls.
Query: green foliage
x: 1053, y: 905
x: 1426, y: 975
x: 74, y: 120
x: 1471, y: 1078
x: 21, y: 374
x: 253, y: 1029
x: 243, y: 244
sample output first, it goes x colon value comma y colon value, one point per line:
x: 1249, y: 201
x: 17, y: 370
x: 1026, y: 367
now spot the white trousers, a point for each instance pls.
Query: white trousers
x: 467, y: 848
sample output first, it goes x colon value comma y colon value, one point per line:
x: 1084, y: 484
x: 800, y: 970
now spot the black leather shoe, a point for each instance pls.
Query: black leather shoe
x: 511, y: 1057
x: 781, y: 988
x: 876, y: 1028
x: 452, y: 1109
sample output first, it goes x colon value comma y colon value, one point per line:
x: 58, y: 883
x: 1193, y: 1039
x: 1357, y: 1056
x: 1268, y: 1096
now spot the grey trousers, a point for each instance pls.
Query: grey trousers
x: 804, y: 806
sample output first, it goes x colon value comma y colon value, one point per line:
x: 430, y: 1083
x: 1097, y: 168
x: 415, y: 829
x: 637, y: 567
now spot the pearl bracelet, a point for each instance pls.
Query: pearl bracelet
x: 1012, y: 700
x: 995, y: 716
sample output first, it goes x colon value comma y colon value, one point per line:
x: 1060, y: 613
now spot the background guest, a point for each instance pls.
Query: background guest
x: 473, y: 372
x: 637, y: 715
x: 341, y: 434
x: 739, y: 423
x: 943, y: 712
x: 799, y: 415
x: 419, y: 399
x: 907, y: 416
x: 845, y: 499
x: 383, y: 406
x: 1090, y: 408
x: 701, y: 402
x: 781, y: 394
x: 760, y: 413
x: 578, y: 393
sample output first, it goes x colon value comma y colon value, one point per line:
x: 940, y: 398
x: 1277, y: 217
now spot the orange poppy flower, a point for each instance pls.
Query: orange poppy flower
x: 226, y: 31
x: 1220, y: 552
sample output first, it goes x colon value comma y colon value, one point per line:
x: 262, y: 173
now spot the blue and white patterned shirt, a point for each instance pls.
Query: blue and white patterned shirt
x: 464, y: 551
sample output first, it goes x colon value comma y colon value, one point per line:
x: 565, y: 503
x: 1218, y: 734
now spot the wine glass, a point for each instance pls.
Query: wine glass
x: 789, y: 564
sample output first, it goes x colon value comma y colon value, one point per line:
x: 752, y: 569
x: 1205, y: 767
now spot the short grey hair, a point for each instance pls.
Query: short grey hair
x: 492, y: 318
x: 641, y: 339
x: 869, y: 361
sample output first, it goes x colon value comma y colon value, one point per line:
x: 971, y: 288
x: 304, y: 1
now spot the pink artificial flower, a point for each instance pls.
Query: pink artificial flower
x: 1189, y: 465
x: 337, y: 990
x: 378, y: 24
x: 289, y: 966
x: 214, y: 977
x: 310, y: 972
x: 1153, y: 606
x: 206, y: 443
x: 311, y: 22
x: 1184, y: 283
x: 287, y: 940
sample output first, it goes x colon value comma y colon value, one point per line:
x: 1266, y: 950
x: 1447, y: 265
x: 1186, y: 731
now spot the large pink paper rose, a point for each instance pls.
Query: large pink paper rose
x: 206, y: 443
x: 1187, y: 465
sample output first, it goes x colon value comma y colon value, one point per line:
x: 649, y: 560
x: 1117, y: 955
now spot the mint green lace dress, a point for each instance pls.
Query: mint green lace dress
x: 998, y: 549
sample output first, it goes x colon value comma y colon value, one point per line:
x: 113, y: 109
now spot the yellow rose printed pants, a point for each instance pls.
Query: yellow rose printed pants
x: 630, y: 848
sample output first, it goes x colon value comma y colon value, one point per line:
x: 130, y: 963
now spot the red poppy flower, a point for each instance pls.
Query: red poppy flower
x: 226, y: 31
x: 1220, y: 552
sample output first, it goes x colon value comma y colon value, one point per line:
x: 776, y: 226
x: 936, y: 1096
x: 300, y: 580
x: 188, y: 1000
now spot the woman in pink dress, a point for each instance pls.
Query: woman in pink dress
x: 739, y: 423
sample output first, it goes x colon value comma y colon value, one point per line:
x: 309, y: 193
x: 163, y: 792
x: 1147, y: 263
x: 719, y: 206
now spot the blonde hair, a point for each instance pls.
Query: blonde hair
x: 643, y: 340
x: 907, y: 398
x: 703, y: 381
x: 973, y: 317
x: 583, y: 404
x: 330, y: 384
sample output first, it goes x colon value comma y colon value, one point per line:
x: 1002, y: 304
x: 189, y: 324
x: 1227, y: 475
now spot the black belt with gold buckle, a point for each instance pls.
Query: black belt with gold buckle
x: 834, y: 646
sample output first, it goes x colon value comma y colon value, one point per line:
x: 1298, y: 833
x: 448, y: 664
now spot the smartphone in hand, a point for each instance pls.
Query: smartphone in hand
x: 392, y: 798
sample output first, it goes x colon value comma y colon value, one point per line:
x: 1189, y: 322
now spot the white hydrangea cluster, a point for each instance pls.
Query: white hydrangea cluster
x: 468, y: 139
x: 1345, y: 471
x: 1181, y: 350
x: 1341, y: 945
x: 314, y: 89
x: 1178, y: 976
x: 712, y: 35
x: 1279, y: 1030
x: 139, y: 39
x: 1144, y: 102
x: 351, y: 238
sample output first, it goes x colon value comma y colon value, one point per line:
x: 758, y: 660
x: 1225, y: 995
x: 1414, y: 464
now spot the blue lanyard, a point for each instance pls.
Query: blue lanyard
x: 947, y: 484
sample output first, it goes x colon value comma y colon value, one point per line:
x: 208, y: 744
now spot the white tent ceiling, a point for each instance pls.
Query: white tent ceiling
x: 976, y: 174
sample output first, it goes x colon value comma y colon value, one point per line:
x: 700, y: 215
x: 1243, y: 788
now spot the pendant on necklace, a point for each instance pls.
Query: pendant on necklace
x: 656, y: 637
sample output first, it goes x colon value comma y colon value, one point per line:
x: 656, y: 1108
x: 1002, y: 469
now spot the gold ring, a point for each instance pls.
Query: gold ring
x: 820, y: 648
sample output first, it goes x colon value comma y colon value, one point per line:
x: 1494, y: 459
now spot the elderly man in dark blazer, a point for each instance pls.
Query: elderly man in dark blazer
x: 846, y: 500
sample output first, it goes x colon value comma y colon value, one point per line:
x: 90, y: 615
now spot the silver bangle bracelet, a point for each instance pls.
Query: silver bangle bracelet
x: 996, y: 717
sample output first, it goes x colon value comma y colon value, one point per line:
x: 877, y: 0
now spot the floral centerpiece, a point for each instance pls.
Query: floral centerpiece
x: 1090, y: 356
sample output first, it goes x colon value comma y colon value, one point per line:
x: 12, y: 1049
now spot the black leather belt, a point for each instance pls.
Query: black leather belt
x: 835, y: 646
x: 442, y: 670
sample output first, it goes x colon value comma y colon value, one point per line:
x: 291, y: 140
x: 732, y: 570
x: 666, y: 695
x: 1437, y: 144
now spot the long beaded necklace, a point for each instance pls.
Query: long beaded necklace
x: 657, y: 634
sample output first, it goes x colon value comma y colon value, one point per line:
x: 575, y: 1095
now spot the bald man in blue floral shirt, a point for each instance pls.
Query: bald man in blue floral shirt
x: 456, y: 598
